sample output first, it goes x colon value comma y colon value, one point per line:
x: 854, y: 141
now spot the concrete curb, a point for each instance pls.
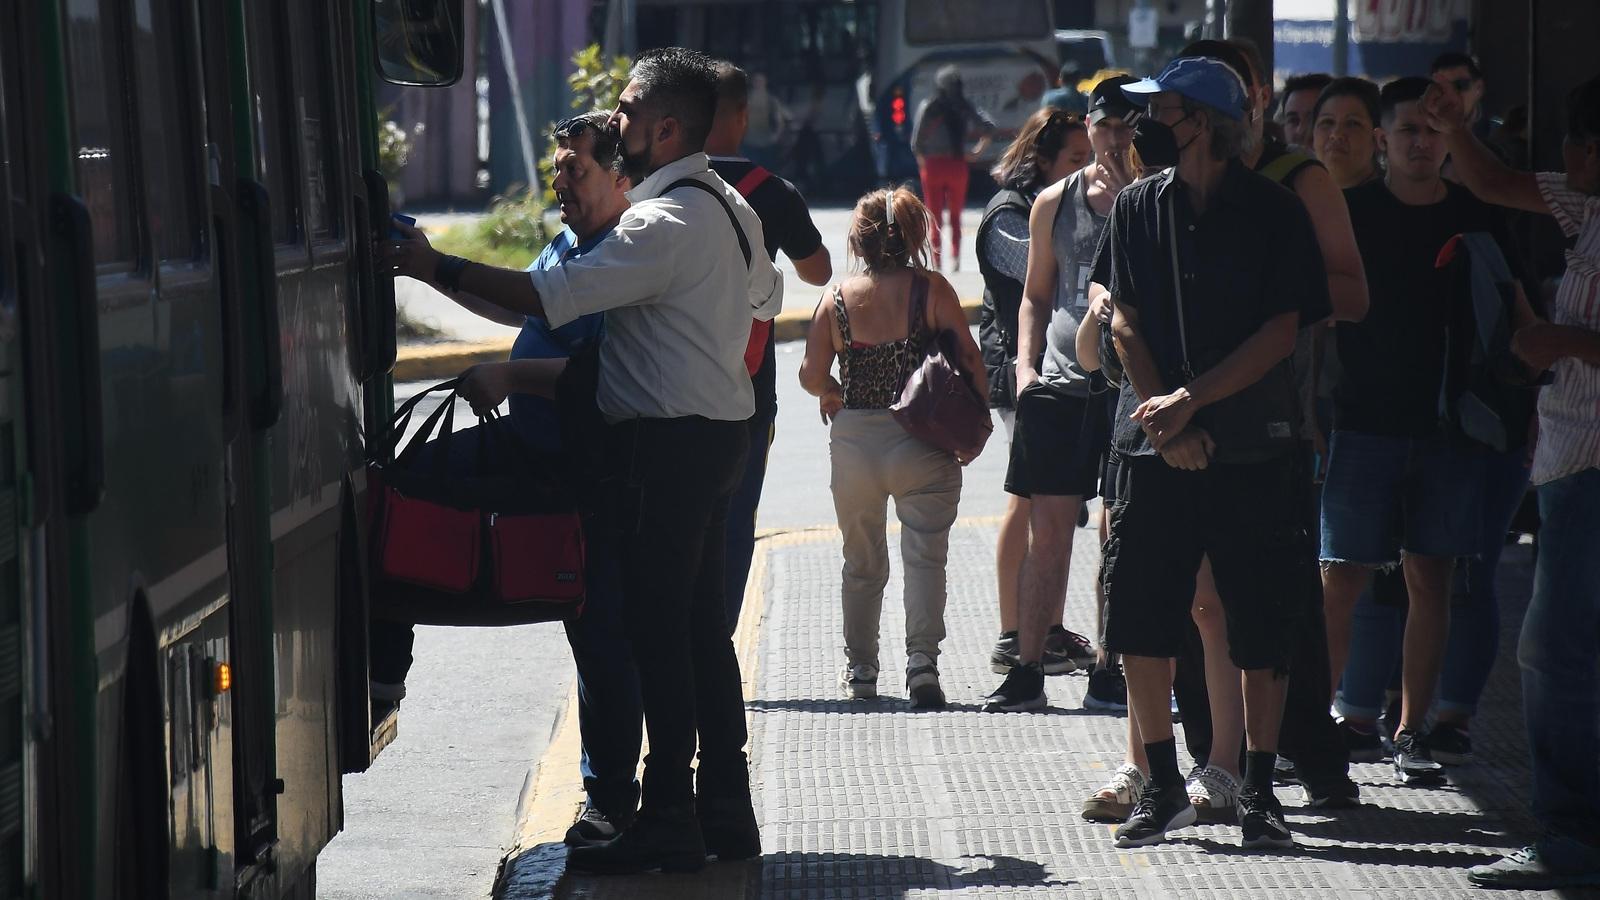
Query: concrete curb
x: 429, y: 362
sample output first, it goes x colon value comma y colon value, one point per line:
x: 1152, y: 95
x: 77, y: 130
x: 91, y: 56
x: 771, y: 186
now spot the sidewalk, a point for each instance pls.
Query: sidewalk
x: 871, y: 800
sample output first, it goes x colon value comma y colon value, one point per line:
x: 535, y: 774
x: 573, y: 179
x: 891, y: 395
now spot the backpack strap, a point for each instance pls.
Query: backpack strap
x: 1286, y: 167
x: 744, y: 243
x: 752, y: 179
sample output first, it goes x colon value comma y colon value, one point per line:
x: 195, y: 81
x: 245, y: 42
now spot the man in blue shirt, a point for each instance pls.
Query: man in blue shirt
x: 591, y: 196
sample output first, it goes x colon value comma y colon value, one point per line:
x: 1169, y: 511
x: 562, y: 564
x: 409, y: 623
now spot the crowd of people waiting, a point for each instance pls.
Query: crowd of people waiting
x: 1304, y: 378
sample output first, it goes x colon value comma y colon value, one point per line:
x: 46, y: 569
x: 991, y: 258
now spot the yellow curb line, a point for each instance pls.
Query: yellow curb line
x: 424, y: 362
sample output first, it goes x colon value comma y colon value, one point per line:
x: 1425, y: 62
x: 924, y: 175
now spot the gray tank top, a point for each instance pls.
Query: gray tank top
x: 1075, y: 235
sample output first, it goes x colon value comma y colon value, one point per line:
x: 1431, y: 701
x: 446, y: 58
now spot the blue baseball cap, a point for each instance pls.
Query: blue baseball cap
x: 1199, y: 78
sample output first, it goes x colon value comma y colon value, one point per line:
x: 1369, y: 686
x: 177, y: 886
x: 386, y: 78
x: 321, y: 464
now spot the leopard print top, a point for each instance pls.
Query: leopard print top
x: 873, y: 376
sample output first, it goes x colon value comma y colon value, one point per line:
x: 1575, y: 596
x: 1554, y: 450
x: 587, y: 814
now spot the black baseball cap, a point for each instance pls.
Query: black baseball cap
x: 1107, y: 99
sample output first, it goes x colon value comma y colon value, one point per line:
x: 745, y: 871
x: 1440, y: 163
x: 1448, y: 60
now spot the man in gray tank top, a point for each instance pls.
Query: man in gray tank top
x: 1061, y: 430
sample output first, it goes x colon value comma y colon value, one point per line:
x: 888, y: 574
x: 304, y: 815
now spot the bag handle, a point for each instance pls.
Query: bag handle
x: 402, y: 419
x: 1177, y: 285
x: 447, y: 411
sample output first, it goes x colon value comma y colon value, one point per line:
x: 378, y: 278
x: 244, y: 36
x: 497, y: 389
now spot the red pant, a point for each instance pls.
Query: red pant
x: 944, y: 186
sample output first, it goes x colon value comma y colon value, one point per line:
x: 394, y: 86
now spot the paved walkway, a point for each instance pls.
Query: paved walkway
x: 872, y: 800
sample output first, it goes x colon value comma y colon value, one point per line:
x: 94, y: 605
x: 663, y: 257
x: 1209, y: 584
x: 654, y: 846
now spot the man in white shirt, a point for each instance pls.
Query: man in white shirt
x: 678, y: 279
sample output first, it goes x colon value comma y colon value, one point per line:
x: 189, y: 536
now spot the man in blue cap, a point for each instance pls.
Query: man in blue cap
x: 1212, y: 270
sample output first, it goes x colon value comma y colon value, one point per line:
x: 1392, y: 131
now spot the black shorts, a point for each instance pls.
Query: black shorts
x: 1058, y: 443
x: 1250, y: 519
x: 1110, y: 461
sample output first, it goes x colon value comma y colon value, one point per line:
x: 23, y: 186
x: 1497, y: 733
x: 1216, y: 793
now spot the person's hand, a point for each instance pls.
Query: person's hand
x: 485, y: 386
x: 1026, y: 375
x: 1165, y: 416
x: 1538, y: 345
x: 413, y: 255
x: 829, y: 404
x: 1100, y: 308
x: 1114, y: 171
x: 1190, y: 450
x: 1443, y: 106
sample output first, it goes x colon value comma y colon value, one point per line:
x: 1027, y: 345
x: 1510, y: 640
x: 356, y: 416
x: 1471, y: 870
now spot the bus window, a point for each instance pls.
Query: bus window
x: 275, y: 134
x: 168, y: 135
x: 99, y: 126
x: 977, y: 21
x: 315, y: 112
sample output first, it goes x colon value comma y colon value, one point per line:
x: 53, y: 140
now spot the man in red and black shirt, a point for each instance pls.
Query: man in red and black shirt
x: 787, y: 226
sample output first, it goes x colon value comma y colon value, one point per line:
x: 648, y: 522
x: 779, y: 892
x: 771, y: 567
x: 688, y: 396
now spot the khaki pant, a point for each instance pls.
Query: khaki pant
x: 874, y: 459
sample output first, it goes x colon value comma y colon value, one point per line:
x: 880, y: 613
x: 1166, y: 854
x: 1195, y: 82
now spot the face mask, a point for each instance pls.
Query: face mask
x: 1157, y: 144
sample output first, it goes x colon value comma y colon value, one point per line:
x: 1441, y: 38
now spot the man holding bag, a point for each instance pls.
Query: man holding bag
x: 678, y: 284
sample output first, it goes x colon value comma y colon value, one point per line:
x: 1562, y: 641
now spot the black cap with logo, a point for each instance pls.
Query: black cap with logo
x: 1107, y: 99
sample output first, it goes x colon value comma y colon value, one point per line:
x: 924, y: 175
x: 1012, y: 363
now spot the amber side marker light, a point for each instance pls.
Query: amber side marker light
x: 223, y: 677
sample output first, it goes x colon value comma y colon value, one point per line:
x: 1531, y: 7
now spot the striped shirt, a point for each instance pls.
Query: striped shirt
x: 1569, y: 409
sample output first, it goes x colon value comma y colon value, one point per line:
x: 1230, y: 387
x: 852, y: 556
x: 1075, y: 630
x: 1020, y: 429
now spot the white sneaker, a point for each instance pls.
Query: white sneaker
x: 860, y: 682
x: 1115, y: 801
x: 1215, y: 795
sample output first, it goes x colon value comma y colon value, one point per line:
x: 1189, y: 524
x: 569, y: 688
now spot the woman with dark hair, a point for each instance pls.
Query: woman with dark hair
x: 1052, y: 145
x: 875, y: 323
x: 939, y: 134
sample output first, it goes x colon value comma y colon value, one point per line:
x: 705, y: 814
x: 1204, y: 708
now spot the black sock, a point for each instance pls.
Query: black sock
x: 1258, y: 765
x: 1163, y: 759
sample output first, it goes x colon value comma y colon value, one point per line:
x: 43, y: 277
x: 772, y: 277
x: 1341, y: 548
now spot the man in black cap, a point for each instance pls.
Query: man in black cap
x: 1061, y: 429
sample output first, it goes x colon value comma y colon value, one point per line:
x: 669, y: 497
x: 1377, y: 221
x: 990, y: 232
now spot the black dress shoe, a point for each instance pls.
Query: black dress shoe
x: 729, y: 827
x: 667, y: 840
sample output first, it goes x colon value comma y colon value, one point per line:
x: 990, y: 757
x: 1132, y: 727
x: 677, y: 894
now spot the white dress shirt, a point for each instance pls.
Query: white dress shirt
x: 678, y: 299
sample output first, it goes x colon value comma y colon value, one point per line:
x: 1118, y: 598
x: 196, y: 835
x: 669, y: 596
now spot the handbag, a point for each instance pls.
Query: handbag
x: 500, y: 544
x: 939, y: 404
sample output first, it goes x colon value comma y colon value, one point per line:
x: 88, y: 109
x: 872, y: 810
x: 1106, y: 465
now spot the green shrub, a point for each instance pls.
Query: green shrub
x: 510, y: 235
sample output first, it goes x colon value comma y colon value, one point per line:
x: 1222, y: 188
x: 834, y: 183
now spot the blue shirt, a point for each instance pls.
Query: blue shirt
x: 535, y: 417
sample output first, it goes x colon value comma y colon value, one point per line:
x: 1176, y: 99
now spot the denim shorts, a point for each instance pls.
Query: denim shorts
x: 1385, y: 494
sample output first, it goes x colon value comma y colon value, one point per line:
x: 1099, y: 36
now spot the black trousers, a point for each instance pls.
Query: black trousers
x: 664, y: 491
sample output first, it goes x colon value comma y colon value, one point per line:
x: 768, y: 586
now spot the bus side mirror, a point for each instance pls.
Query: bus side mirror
x: 418, y: 42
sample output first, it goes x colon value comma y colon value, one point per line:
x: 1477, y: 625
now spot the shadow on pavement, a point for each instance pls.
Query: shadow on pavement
x: 540, y: 872
x: 896, y: 704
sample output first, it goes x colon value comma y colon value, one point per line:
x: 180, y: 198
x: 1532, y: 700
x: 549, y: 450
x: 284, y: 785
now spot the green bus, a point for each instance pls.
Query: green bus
x: 194, y: 348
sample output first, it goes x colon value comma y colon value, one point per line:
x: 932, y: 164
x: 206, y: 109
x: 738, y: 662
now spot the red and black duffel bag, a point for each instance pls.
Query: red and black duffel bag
x: 498, y: 544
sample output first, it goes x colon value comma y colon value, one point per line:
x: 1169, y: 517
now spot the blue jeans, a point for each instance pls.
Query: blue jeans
x: 741, y: 544
x: 1474, y: 605
x: 1386, y: 494
x: 1560, y: 640
x: 1377, y: 627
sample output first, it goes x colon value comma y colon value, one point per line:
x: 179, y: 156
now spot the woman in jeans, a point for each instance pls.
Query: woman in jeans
x: 875, y: 324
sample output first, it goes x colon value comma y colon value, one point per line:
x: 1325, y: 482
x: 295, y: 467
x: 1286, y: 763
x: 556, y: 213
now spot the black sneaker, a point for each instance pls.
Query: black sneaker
x: 1338, y: 792
x: 1261, y: 820
x: 666, y: 840
x: 595, y: 827
x: 1003, y: 658
x: 1108, y: 690
x: 922, y: 682
x: 1159, y: 810
x: 1363, y: 745
x: 1023, y: 690
x: 1071, y: 645
x: 1450, y: 744
x: 1413, y: 764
